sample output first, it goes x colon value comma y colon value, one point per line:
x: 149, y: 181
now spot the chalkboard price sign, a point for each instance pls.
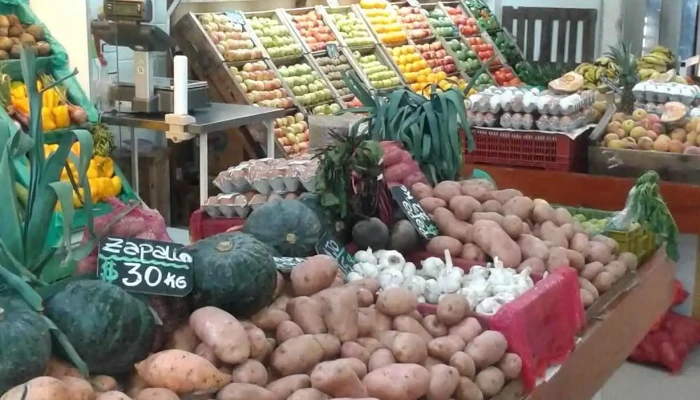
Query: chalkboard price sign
x: 236, y: 17
x: 414, y: 3
x: 286, y: 264
x: 332, y: 50
x: 423, y: 222
x: 146, y: 266
x: 329, y: 245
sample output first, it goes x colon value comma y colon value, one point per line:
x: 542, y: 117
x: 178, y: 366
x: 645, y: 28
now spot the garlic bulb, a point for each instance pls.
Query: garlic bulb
x: 415, y: 284
x: 432, y: 291
x: 421, y: 299
x: 390, y: 278
x: 391, y: 259
x: 479, y: 271
x: 367, y: 270
x: 449, y: 280
x: 354, y: 276
x: 378, y: 254
x: 432, y: 267
x: 363, y: 256
x: 409, y: 270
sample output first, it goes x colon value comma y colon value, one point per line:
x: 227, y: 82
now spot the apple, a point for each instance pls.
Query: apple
x: 275, y: 37
x: 259, y: 85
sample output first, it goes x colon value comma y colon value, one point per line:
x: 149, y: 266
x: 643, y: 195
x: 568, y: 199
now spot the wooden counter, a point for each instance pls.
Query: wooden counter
x: 605, y: 344
x: 594, y: 191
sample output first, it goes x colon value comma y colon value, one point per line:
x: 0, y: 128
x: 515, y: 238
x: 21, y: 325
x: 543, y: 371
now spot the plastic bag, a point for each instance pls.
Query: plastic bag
x: 669, y: 344
x: 399, y: 165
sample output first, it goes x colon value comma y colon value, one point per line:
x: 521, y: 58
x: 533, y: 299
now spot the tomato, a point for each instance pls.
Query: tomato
x: 509, y: 76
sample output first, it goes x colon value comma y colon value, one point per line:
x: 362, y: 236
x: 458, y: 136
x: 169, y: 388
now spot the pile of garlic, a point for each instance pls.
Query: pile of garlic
x: 487, y: 289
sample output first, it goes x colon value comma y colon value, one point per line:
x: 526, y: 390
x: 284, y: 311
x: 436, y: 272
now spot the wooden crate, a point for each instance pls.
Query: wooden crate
x: 568, y: 18
x: 327, y: 13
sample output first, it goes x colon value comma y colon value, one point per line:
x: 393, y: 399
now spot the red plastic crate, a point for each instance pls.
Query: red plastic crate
x: 203, y: 226
x: 550, y: 151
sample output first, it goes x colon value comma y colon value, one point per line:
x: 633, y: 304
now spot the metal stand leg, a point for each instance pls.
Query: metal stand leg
x: 203, y: 169
x: 134, y: 161
x: 270, y: 138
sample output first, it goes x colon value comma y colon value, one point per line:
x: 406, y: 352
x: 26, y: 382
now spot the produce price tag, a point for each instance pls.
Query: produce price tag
x: 236, y: 16
x: 330, y: 246
x: 332, y: 50
x: 413, y: 3
x: 286, y: 264
x: 146, y: 266
x: 332, y: 3
x: 423, y: 223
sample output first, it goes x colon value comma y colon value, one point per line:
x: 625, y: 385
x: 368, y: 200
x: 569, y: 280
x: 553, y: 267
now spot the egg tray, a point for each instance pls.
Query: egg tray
x: 287, y: 16
x: 385, y: 60
x: 306, y: 59
x: 374, y: 33
x: 279, y: 17
x: 428, y: 7
x: 348, y: 55
x: 246, y: 28
x: 326, y: 13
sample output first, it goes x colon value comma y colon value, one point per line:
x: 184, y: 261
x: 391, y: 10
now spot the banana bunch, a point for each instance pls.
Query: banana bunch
x: 592, y: 72
x: 655, y: 63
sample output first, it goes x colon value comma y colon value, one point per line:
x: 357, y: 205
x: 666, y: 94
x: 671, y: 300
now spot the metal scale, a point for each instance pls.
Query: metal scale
x: 127, y: 24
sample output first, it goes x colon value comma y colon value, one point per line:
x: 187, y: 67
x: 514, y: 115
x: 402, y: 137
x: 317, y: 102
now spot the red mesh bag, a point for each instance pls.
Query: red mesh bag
x: 399, y: 165
x: 679, y: 296
x: 670, y: 343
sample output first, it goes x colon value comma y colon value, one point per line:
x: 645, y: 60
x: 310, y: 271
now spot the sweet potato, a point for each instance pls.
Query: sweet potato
x: 467, y: 390
x: 532, y: 247
x: 549, y: 232
x: 396, y: 301
x: 287, y: 330
x: 245, y: 391
x: 610, y: 242
x: 503, y: 196
x: 480, y: 193
x: 222, y: 332
x: 421, y: 190
x: 439, y: 244
x: 490, y: 381
x: 157, y: 394
x: 579, y: 243
x: 603, y: 281
x: 409, y: 348
x: 206, y: 352
x: 448, y: 224
x: 430, y: 204
x: 491, y: 238
x: 452, y: 309
x: 329, y: 344
x: 79, y: 388
x: 339, y: 310
x: 617, y: 268
x: 468, y: 329
x: 308, y: 394
x: 251, y: 371
x: 313, y: 275
x: 513, y: 226
x: 297, y: 355
x: 306, y: 312
x: 181, y: 372
x: 268, y: 318
x: 136, y: 384
x: 576, y: 260
x: 398, y: 382
x: 492, y: 206
x: 381, y: 358
x: 598, y: 251
x: 104, y: 383
x: 520, y: 206
x: 591, y: 270
x: 491, y: 216
x: 369, y: 343
x: 464, y: 364
x: 464, y: 206
x: 562, y: 216
x: 337, y: 380
x: 405, y: 323
x: 443, y: 382
x: 536, y: 265
x: 284, y: 387
x: 446, y: 190
x: 112, y: 395
x: 487, y: 348
x: 444, y: 347
x: 629, y: 259
x: 354, y: 350
x: 472, y: 252
x: 510, y: 365
x: 432, y: 324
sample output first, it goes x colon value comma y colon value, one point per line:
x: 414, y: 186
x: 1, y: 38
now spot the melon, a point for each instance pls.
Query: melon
x: 674, y: 112
x: 568, y: 84
x: 328, y: 222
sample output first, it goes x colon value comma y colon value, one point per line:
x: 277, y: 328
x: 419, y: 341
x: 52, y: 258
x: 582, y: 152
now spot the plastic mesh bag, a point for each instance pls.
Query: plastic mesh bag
x: 141, y: 222
x: 670, y: 343
x: 399, y: 165
x: 542, y: 323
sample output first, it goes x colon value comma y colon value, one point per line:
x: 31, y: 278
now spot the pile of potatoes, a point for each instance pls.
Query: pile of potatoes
x: 476, y: 221
x: 320, y: 339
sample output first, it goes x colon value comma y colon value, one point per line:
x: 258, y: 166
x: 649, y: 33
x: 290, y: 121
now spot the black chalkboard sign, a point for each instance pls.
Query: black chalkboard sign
x: 286, y: 264
x: 332, y: 50
x: 146, y: 266
x: 236, y: 17
x: 329, y: 245
x: 414, y: 3
x: 420, y: 219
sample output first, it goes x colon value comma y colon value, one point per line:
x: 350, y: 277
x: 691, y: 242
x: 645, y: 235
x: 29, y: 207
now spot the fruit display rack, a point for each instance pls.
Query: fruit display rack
x: 484, y: 17
x: 311, y: 28
x: 462, y: 18
x: 485, y: 48
x: 274, y: 34
x: 465, y: 58
x: 415, y: 22
x: 440, y: 22
x: 385, y: 24
x: 349, y: 27
x: 332, y: 68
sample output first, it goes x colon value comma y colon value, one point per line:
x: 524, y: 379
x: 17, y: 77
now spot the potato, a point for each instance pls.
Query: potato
x: 381, y: 358
x: 562, y: 216
x: 369, y: 343
x: 468, y: 329
x: 280, y: 286
x: 308, y: 394
x: 464, y: 364
x: 451, y: 226
x: 443, y: 382
x: 481, y: 194
x: 629, y: 259
x: 104, y: 383
x: 557, y: 258
x: 452, y: 309
x: 610, y: 242
x: 415, y: 314
x: 371, y: 285
x: 444, y: 347
x: 579, y: 243
x: 439, y: 244
x: 306, y: 312
x: 354, y: 350
x: 603, y: 281
x: 586, y: 297
x: 487, y: 348
x: 568, y: 231
x: 398, y: 382
x: 364, y: 297
x: 543, y: 213
x: 405, y: 323
x: 490, y: 381
x: 536, y: 265
x: 598, y: 251
x: 157, y: 394
x: 339, y: 310
x: 478, y: 182
x: 337, y: 380
x: 183, y: 338
x: 268, y: 318
x: 245, y: 391
x: 432, y: 324
x: 251, y: 371
x: 40, y: 388
x: 588, y: 286
x: 329, y: 344
x: 526, y: 228
x: 313, y: 275
x: 510, y: 365
x: 79, y: 388
x: 576, y: 260
x: 430, y: 204
x: 618, y: 269
x: 258, y: 343
x: 472, y: 252
x: 492, y: 206
x: 502, y: 196
x: 520, y: 206
x: 284, y: 387
x: 287, y: 330
x: 297, y: 355
x: 222, y: 332
x: 421, y: 190
x: 359, y: 367
x: 446, y: 190
x: 532, y: 247
x: 551, y: 233
x: 491, y: 216
x: 207, y: 353
x: 112, y: 395
x: 467, y: 390
x: 181, y: 372
x: 591, y: 270
x: 409, y: 348
x: 491, y: 238
x: 396, y: 301
x: 371, y: 321
x: 464, y: 206
x: 281, y: 302
x: 386, y: 338
x: 513, y: 226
